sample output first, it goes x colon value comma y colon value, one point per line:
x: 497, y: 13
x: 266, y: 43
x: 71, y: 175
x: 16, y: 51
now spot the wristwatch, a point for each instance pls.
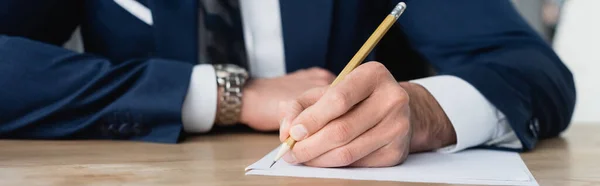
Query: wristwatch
x: 230, y: 80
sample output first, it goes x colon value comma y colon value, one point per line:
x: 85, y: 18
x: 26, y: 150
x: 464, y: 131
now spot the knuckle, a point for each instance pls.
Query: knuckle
x: 340, y: 132
x: 340, y: 99
x: 309, y: 97
x: 346, y: 157
x: 401, y: 155
x: 398, y: 99
x: 355, y: 79
x: 400, y: 129
x: 405, y: 128
x: 319, y: 91
x: 393, y: 152
x: 312, y: 121
x: 391, y: 104
x: 376, y: 66
x: 301, y: 104
x: 393, y: 98
x: 397, y: 95
x: 307, y: 94
x: 294, y: 106
x: 378, y: 72
x: 394, y: 155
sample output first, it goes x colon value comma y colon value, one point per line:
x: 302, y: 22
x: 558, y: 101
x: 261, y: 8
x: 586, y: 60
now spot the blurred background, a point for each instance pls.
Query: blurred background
x: 572, y: 27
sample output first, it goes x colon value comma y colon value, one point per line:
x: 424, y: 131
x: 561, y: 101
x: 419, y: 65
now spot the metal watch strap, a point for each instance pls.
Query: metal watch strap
x: 231, y: 83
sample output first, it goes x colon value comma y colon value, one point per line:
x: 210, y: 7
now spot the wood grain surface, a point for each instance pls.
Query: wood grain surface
x: 220, y: 159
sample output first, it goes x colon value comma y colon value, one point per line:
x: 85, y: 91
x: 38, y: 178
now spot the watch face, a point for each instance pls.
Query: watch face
x: 222, y: 73
x: 235, y: 69
x: 226, y: 70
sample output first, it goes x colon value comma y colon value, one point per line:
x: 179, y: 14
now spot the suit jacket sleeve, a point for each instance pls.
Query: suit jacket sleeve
x: 48, y: 92
x: 489, y: 45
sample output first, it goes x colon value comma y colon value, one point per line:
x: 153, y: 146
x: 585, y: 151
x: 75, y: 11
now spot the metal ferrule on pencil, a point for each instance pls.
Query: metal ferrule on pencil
x: 398, y: 10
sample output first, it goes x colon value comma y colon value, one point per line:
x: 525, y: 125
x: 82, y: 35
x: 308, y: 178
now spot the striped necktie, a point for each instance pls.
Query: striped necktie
x: 221, y: 33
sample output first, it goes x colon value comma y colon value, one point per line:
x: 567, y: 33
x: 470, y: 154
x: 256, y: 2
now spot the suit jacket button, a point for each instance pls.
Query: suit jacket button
x: 533, y: 130
x: 138, y: 129
x: 111, y: 128
x: 125, y: 129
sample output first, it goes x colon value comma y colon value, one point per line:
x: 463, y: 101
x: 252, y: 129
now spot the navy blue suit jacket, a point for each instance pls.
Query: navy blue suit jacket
x: 131, y: 81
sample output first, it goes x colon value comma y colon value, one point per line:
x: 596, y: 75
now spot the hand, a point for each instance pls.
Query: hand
x: 363, y: 121
x: 262, y: 97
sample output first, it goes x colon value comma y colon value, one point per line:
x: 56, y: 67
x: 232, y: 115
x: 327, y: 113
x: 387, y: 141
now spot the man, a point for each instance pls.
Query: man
x: 449, y: 75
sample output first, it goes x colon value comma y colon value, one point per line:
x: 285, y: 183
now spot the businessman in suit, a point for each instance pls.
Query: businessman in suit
x: 450, y: 75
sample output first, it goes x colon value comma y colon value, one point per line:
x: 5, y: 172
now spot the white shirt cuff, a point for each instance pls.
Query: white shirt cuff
x: 475, y: 120
x: 200, y: 105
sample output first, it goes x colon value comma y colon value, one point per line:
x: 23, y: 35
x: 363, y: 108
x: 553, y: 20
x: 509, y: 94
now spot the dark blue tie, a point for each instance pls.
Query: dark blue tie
x: 221, y: 33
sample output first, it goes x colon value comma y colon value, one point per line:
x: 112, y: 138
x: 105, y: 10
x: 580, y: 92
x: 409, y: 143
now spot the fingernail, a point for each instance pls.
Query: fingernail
x: 283, y: 123
x: 290, y: 158
x: 298, y: 132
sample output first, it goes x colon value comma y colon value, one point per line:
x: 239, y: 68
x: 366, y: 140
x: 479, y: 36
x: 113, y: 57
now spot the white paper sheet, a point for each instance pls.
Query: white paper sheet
x: 481, y: 167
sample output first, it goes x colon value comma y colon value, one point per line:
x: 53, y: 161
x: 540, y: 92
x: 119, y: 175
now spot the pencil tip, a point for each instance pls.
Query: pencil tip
x: 272, y: 164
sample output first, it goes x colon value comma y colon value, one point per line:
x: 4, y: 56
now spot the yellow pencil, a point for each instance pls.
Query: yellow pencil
x: 362, y: 53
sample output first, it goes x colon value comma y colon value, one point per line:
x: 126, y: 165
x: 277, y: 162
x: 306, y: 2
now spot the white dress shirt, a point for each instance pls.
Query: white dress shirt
x: 475, y: 120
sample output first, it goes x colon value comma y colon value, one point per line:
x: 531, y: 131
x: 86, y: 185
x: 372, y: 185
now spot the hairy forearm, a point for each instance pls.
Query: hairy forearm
x: 431, y: 127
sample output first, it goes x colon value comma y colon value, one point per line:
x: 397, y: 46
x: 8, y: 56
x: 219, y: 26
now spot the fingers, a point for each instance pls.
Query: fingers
x: 399, y: 127
x: 391, y: 154
x: 340, y: 131
x: 344, y: 129
x: 394, y: 152
x: 344, y: 140
x: 338, y: 100
x: 351, y: 121
x: 380, y: 146
x: 289, y: 110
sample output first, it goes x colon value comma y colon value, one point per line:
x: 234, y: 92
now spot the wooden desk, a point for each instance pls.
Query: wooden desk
x: 221, y: 159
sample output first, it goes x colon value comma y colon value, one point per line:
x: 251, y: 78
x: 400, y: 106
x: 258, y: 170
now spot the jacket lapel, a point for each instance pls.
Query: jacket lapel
x: 175, y: 29
x: 306, y: 27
